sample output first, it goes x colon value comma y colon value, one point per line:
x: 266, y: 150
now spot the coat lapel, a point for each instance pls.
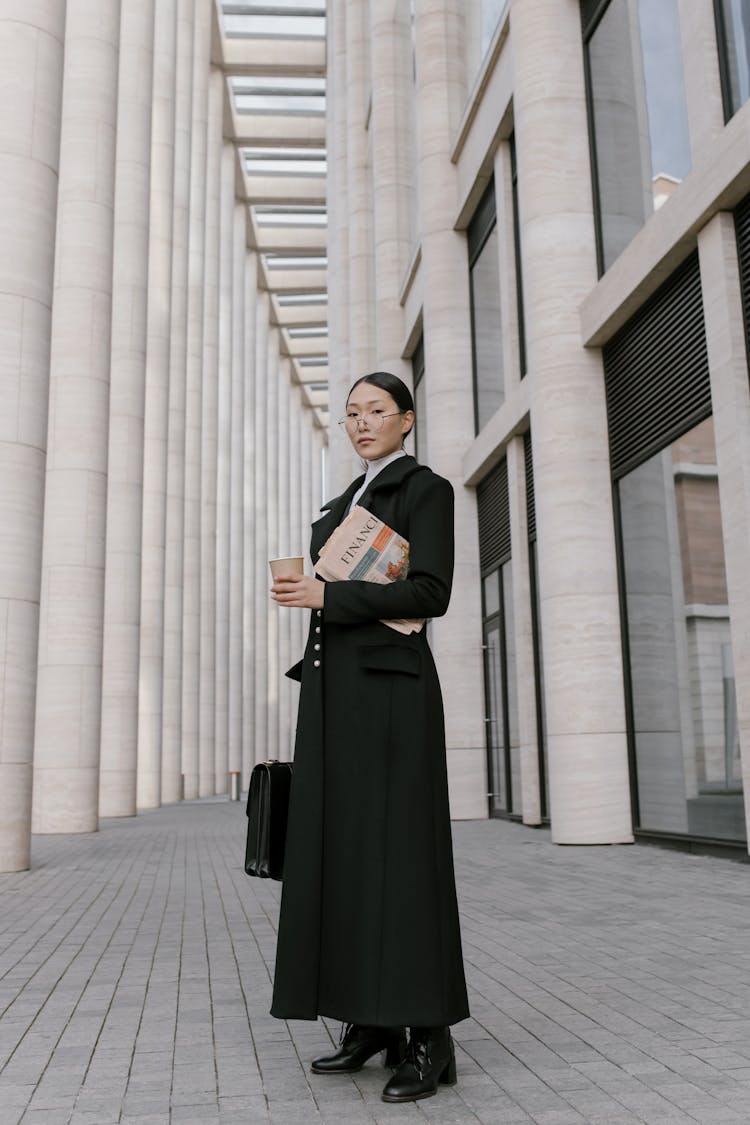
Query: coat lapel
x: 387, y: 479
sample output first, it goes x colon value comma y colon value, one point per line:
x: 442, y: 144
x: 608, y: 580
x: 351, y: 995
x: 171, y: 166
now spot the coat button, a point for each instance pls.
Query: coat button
x: 319, y: 612
x: 317, y: 628
x: 316, y: 664
x: 317, y: 648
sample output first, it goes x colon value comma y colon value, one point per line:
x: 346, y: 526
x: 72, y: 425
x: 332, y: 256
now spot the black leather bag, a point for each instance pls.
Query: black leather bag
x: 267, y: 812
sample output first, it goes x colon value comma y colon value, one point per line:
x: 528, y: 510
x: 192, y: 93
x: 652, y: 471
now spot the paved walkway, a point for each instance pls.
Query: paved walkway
x: 608, y: 985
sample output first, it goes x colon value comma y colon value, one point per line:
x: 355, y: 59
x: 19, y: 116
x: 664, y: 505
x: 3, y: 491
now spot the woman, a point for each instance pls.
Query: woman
x: 369, y: 930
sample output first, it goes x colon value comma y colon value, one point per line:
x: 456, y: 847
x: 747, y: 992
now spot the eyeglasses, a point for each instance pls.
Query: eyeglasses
x: 372, y: 419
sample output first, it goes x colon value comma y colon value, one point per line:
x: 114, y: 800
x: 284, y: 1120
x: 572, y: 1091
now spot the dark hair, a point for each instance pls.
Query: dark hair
x: 394, y: 386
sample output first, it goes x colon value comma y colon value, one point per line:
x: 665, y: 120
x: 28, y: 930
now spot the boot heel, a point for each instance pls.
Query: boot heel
x: 394, y: 1053
x: 449, y: 1077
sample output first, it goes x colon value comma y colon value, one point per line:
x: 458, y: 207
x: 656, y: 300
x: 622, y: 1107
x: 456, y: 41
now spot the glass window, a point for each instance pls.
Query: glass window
x: 680, y: 667
x: 640, y: 142
x: 484, y: 286
x: 487, y: 333
x: 518, y: 258
x: 733, y: 35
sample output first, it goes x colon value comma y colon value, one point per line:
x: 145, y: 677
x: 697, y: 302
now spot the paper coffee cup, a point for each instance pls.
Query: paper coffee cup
x: 285, y: 568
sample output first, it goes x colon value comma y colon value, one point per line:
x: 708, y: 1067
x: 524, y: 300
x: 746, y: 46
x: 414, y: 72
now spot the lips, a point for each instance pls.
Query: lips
x: 365, y: 441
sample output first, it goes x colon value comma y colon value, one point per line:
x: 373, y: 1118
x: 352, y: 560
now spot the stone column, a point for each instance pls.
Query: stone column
x: 730, y: 394
x: 394, y: 168
x: 212, y: 298
x: 191, y: 593
x: 171, y: 762
x: 359, y: 194
x: 31, y: 56
x: 240, y: 316
x: 456, y: 638
x: 271, y: 486
x: 523, y: 639
x: 339, y: 367
x: 299, y: 540
x: 580, y: 616
x: 700, y: 54
x: 283, y: 613
x: 122, y: 573
x: 251, y: 592
x: 263, y: 608
x: 227, y: 313
x: 156, y: 410
x: 68, y: 702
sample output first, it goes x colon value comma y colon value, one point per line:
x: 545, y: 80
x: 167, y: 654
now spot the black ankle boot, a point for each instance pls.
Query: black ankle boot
x: 430, y: 1060
x: 358, y: 1044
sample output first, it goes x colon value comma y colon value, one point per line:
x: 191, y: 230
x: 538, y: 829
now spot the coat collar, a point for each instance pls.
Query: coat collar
x: 389, y: 477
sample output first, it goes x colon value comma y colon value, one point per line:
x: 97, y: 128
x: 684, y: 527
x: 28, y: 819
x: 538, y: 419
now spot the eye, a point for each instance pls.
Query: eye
x: 378, y: 410
x: 352, y: 414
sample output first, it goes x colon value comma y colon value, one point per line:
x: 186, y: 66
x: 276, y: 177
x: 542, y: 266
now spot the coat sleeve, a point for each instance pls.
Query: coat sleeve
x: 426, y: 590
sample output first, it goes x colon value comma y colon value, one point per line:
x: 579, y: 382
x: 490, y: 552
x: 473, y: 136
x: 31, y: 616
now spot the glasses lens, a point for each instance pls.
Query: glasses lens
x: 373, y: 422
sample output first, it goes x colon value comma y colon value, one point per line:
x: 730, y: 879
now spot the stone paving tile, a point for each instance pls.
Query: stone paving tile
x: 608, y: 986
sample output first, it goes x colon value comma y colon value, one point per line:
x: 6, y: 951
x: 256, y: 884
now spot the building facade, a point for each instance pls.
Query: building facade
x: 540, y: 212
x: 215, y: 216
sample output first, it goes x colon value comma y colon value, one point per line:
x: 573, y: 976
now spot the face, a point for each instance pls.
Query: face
x: 374, y: 406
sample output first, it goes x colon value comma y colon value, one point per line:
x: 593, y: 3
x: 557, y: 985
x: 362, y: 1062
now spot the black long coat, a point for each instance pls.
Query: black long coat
x: 369, y: 929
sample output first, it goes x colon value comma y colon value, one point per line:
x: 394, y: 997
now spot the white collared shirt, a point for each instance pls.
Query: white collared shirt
x: 373, y: 468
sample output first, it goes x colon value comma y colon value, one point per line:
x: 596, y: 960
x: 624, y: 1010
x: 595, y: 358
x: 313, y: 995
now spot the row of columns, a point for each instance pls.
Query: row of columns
x: 154, y: 450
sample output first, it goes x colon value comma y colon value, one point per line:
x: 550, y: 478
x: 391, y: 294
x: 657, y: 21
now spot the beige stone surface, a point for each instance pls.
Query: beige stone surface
x: 270, y: 485
x: 217, y: 280
x: 394, y: 173
x: 252, y: 602
x: 447, y: 335
x: 66, y: 752
x: 523, y: 642
x: 122, y: 588
x: 237, y: 558
x: 191, y: 594
x: 580, y: 621
x: 263, y: 552
x: 171, y: 761
x: 156, y: 411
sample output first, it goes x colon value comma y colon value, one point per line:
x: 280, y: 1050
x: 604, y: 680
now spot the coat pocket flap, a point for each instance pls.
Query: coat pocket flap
x: 295, y: 672
x: 390, y: 658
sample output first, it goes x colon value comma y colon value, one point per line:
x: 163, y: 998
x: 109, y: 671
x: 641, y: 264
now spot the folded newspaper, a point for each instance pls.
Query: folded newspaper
x: 363, y: 547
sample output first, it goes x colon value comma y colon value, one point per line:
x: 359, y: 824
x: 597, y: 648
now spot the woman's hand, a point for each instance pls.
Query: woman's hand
x: 299, y: 591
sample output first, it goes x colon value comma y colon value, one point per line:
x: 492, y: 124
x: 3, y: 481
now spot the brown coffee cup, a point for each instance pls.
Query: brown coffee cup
x: 286, y: 568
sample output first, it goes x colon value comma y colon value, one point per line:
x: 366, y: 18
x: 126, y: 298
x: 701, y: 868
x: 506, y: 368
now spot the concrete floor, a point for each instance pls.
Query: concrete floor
x: 608, y: 985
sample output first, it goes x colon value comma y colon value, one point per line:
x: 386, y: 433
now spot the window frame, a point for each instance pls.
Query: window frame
x: 481, y: 226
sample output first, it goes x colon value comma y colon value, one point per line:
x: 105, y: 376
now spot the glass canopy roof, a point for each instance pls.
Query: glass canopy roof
x: 297, y: 19
x: 279, y: 114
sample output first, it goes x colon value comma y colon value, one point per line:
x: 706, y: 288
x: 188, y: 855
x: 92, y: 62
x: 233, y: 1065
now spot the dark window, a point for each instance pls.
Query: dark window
x: 517, y: 250
x: 638, y: 129
x: 733, y: 38
x: 484, y: 289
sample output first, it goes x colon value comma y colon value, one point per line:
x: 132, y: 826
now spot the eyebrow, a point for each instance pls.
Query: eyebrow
x: 371, y: 402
